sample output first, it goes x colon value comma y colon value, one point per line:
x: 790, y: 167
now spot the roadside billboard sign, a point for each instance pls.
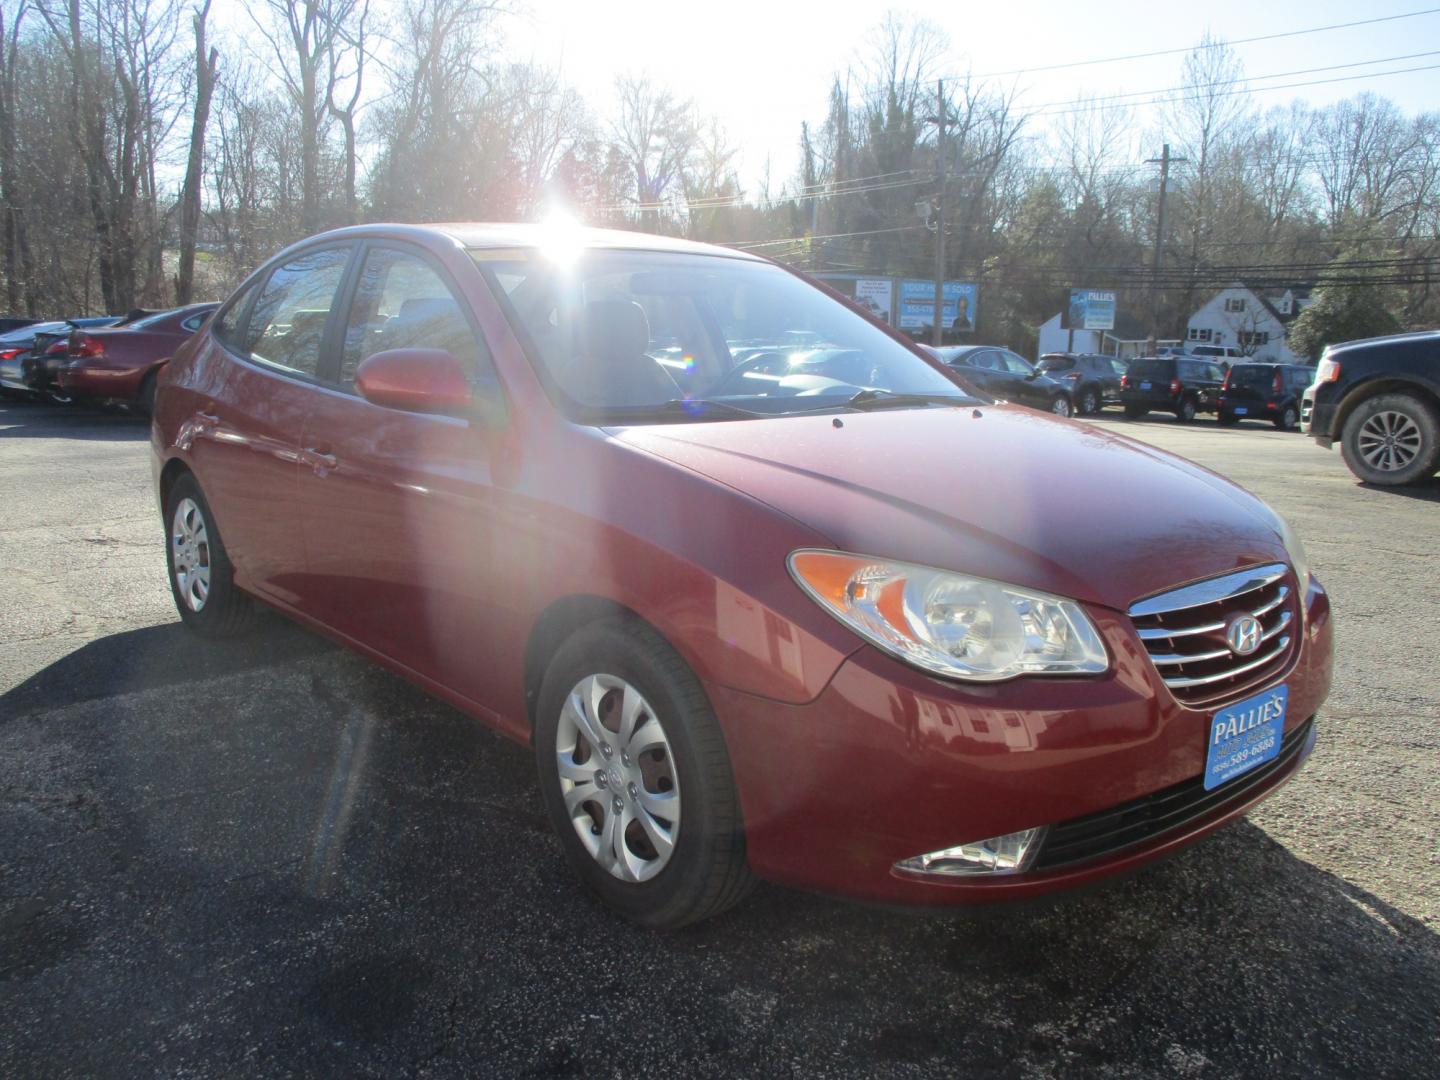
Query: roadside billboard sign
x: 917, y: 304
x: 1090, y: 309
x: 875, y: 294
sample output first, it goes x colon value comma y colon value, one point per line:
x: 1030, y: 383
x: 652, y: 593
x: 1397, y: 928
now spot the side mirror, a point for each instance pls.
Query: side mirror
x: 415, y: 380
x: 1034, y: 374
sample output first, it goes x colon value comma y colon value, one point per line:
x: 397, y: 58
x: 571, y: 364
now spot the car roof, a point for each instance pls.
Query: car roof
x: 475, y: 235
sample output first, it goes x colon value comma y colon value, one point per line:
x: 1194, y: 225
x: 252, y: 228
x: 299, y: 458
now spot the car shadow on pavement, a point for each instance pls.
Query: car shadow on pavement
x: 40, y: 419
x: 154, y: 657
x: 1425, y: 491
x: 278, y: 852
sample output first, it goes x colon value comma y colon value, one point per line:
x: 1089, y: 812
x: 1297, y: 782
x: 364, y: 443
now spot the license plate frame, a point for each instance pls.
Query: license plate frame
x: 1243, y: 736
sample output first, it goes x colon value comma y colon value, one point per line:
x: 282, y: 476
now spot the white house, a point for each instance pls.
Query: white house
x: 1255, y: 324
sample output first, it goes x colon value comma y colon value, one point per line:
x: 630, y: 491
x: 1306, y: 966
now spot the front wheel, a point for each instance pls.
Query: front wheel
x: 1288, y: 419
x: 1060, y: 405
x: 1392, y: 439
x: 202, y: 580
x: 1186, y: 412
x: 636, y: 778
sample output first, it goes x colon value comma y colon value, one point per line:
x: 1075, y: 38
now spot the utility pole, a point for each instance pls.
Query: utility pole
x: 1164, y: 161
x: 938, y: 333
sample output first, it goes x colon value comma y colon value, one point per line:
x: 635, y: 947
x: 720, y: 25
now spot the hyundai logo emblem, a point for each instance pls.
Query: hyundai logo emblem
x: 1243, y: 635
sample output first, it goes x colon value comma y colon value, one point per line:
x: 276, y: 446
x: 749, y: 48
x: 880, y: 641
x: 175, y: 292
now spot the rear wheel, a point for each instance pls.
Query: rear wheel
x: 1089, y: 402
x: 201, y: 578
x: 624, y: 738
x: 145, y: 401
x: 1288, y: 418
x: 1392, y: 439
x: 1186, y: 411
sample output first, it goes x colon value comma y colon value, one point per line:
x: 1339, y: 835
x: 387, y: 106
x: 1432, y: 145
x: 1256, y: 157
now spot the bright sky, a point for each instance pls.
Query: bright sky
x: 763, y: 66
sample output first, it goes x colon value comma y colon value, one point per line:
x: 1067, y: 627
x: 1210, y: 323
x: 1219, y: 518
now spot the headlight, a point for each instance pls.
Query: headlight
x: 950, y: 624
x: 1295, y: 550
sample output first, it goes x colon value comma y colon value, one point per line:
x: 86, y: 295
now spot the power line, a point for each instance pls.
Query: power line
x: 1217, y: 44
x: 1247, y: 90
x: 1232, y: 82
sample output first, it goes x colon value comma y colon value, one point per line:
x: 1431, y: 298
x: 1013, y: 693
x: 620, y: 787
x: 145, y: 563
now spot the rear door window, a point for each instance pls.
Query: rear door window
x: 287, y: 326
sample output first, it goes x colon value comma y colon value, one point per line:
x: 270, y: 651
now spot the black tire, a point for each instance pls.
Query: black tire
x: 1289, y: 418
x: 1089, y: 403
x: 145, y: 401
x: 1186, y: 410
x: 1061, y: 405
x: 707, y: 871
x: 1409, y: 413
x: 224, y: 611
x: 1134, y: 412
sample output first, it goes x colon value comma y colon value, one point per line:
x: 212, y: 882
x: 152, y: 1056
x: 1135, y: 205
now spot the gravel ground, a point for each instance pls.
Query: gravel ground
x: 274, y: 858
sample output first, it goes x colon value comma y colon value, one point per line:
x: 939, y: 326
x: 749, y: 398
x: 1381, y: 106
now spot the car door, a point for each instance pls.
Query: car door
x: 399, y: 514
x: 248, y: 396
x: 1019, y: 383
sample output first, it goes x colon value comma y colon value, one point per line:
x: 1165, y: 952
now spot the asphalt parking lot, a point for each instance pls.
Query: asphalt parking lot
x: 271, y: 857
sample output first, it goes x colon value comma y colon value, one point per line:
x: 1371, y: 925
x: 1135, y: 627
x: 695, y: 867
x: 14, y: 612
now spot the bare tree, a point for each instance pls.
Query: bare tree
x: 656, y: 134
x: 207, y: 65
x: 19, y: 271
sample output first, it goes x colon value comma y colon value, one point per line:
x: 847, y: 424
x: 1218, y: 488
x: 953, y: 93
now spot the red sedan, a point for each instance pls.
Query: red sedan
x: 120, y: 364
x: 767, y: 594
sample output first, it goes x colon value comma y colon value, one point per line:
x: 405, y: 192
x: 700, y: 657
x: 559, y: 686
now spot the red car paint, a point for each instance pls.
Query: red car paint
x: 112, y: 363
x: 448, y: 549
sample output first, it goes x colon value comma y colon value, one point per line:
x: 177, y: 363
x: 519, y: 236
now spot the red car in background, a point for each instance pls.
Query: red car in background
x: 119, y: 364
x: 766, y: 592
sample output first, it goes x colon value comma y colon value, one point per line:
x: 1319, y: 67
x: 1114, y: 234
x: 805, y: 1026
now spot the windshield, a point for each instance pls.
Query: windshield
x: 630, y: 335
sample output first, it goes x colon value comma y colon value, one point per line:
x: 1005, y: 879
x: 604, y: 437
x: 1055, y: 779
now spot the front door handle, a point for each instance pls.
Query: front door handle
x: 322, y: 461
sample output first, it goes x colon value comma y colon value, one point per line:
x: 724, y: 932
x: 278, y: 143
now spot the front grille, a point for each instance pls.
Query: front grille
x: 1184, y: 631
x: 1161, y: 812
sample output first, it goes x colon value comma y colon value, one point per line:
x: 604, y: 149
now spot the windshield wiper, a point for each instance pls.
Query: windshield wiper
x: 872, y: 398
x: 694, y: 408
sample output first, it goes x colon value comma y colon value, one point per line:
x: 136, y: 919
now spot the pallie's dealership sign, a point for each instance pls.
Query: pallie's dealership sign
x: 1090, y: 309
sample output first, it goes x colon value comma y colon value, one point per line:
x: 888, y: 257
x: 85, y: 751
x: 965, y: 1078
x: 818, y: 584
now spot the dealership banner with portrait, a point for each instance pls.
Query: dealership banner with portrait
x: 917, y: 305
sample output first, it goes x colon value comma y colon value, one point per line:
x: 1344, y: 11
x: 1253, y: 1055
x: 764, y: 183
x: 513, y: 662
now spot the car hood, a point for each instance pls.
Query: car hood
x: 992, y: 490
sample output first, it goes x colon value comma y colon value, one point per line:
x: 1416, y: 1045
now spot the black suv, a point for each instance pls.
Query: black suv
x: 1264, y: 392
x: 1181, y: 385
x: 1380, y: 399
x: 1093, y: 378
x: 1008, y: 376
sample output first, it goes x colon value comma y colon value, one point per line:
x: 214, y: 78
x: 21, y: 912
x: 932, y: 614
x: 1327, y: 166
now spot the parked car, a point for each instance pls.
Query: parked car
x: 28, y: 368
x: 1007, y: 376
x: 1226, y: 354
x: 1179, y: 385
x: 120, y: 364
x: 1093, y: 378
x: 1268, y: 392
x: 851, y: 637
x: 1380, y: 400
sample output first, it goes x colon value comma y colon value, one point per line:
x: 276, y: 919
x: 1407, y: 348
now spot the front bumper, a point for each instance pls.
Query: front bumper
x: 888, y: 763
x: 1317, y: 419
